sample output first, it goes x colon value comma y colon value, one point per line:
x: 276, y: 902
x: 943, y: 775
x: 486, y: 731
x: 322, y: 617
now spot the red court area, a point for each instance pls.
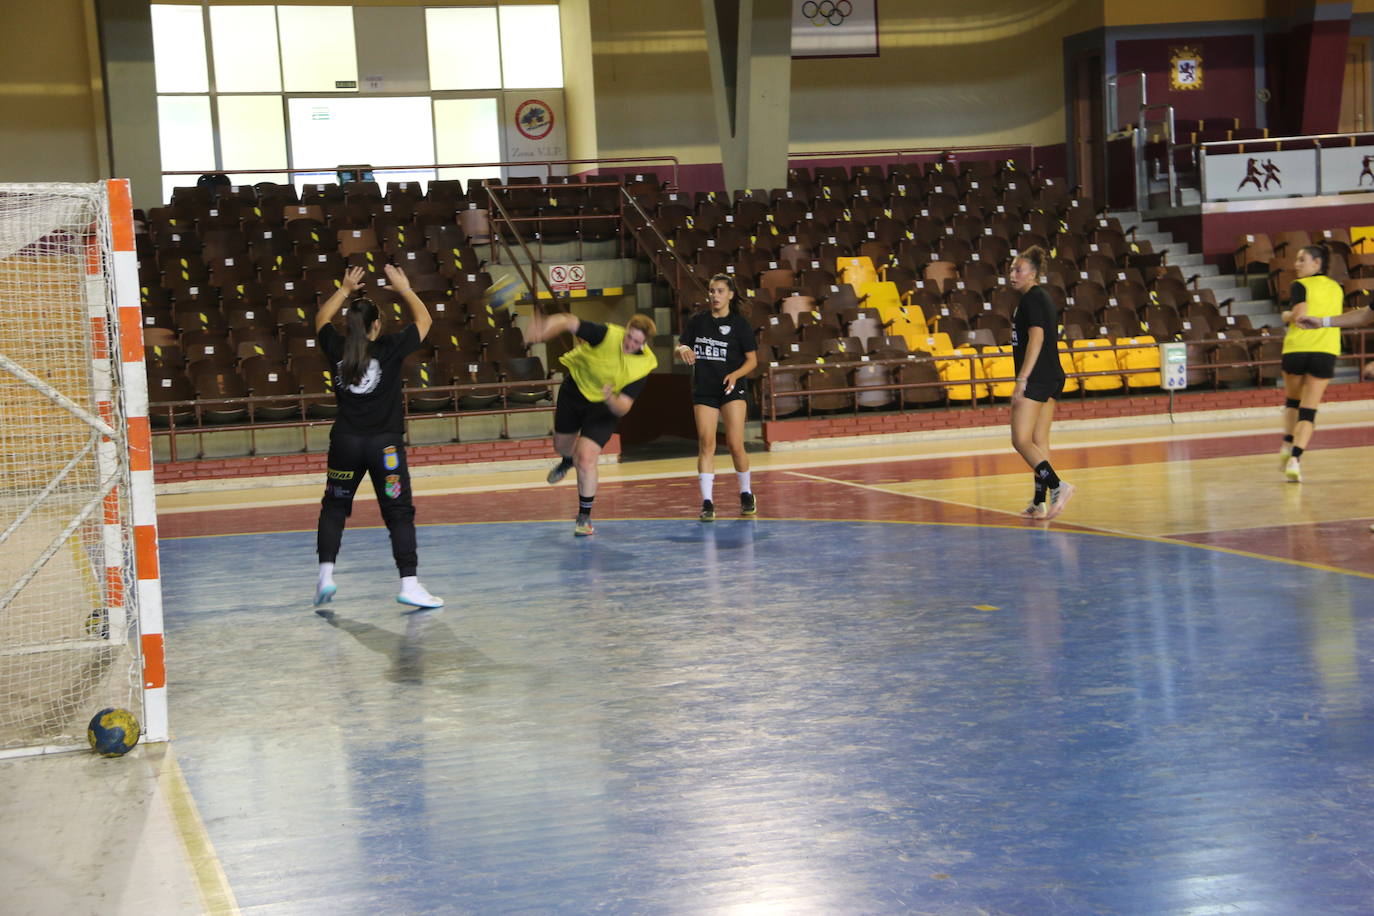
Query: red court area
x: 858, y: 491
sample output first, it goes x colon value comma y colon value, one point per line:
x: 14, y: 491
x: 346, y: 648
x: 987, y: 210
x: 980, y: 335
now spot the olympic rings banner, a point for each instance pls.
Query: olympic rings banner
x: 835, y: 28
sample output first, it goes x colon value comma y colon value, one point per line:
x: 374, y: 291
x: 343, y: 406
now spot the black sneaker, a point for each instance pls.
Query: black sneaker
x: 708, y: 511
x: 560, y: 470
x: 747, y: 504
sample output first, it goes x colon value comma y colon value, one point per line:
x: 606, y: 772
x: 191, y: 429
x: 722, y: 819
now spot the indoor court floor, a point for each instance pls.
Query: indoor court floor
x: 886, y: 694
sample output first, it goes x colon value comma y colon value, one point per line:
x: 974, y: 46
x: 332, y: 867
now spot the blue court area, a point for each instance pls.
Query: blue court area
x: 776, y: 716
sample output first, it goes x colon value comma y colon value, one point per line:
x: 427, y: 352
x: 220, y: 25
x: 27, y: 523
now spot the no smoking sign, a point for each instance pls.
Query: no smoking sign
x: 566, y: 277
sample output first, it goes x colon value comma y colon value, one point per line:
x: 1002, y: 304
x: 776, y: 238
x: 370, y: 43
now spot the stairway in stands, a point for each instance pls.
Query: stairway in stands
x: 1250, y: 299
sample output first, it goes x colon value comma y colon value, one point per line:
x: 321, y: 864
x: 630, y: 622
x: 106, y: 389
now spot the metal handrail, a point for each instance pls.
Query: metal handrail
x: 570, y: 189
x: 913, y: 151
x: 974, y: 381
x: 497, y: 235
x: 1170, y: 141
x: 682, y: 266
x: 1113, y: 82
x: 673, y: 161
x: 1317, y: 137
x: 166, y: 410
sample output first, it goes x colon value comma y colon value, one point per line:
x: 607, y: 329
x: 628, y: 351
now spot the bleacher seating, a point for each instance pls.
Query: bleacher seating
x: 231, y: 277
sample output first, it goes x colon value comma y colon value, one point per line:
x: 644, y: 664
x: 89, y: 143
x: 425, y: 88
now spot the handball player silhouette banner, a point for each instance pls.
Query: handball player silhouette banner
x: 1254, y: 175
x: 835, y: 28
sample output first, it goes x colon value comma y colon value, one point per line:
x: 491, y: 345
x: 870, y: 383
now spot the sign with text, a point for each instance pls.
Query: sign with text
x: 535, y: 130
x: 567, y: 277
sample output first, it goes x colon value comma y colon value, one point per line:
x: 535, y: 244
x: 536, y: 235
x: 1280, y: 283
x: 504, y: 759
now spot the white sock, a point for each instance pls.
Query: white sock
x: 409, y: 583
x: 743, y: 481
x: 326, y: 573
x: 708, y: 483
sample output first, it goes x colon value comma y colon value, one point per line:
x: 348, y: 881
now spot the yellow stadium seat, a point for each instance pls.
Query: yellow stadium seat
x: 855, y: 271
x: 1088, y: 358
x: 1360, y: 234
x: 1067, y: 364
x: 907, y: 321
x: 997, y: 363
x: 1144, y: 358
x: 961, y: 370
x: 933, y: 343
x: 875, y: 294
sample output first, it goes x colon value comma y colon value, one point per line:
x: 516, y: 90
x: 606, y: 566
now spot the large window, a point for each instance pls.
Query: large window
x: 277, y: 87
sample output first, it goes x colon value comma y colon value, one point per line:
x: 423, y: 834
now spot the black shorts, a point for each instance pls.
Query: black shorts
x: 717, y: 398
x: 574, y: 414
x: 1317, y: 365
x: 1043, y: 390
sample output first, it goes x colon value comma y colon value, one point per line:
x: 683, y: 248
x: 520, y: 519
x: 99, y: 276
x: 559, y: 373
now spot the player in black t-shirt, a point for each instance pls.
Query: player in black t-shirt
x: 719, y: 345
x: 1039, y: 382
x: 368, y: 436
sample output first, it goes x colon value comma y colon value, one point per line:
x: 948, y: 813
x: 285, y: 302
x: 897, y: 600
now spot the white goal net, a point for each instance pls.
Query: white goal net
x: 69, y: 597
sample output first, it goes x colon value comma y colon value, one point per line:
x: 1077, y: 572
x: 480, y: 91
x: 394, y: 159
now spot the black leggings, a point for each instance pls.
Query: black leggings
x: 383, y: 458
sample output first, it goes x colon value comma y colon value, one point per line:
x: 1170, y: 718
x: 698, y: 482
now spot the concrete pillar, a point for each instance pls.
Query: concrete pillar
x: 750, y: 47
x: 126, y: 44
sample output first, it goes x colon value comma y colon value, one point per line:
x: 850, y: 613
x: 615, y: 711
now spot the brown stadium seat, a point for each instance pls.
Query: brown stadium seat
x: 266, y: 377
x: 216, y: 383
x: 423, y: 373
x: 525, y: 368
x: 478, y: 373
x: 166, y: 385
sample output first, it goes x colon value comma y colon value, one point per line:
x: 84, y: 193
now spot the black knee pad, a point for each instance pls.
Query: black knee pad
x: 1307, y: 413
x: 1292, y: 404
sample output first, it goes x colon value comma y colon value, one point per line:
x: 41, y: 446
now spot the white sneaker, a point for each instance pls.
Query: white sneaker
x: 1059, y: 498
x: 1285, y: 452
x: 324, y: 593
x: 1036, y: 510
x: 418, y: 596
x: 1293, y: 471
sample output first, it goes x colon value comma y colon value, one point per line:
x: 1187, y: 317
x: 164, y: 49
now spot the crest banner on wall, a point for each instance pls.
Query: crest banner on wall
x: 1185, y: 68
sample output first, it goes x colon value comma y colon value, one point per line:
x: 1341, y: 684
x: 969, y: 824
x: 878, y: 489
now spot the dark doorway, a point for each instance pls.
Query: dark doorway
x: 1089, y: 133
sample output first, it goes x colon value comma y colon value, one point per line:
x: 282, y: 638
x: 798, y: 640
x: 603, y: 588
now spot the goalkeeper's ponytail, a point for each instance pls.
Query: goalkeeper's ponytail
x: 357, y: 348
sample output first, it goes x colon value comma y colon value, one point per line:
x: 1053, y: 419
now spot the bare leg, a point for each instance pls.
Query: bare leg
x: 1025, y: 420
x: 707, y: 418
x: 734, y: 412
x: 1312, y: 391
x: 1292, y: 390
x: 585, y: 454
x: 1041, y: 437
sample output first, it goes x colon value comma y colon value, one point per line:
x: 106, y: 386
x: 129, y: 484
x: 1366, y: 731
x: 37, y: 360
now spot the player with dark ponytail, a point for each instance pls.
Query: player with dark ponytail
x: 1039, y: 382
x: 719, y: 345
x: 368, y: 437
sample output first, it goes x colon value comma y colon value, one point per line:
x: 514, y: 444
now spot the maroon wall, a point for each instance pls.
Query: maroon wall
x: 1228, y: 75
x: 1051, y: 160
x: 1221, y: 231
x: 1323, y: 74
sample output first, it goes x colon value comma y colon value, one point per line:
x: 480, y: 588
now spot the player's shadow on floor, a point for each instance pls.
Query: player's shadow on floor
x: 427, y: 652
x: 722, y: 534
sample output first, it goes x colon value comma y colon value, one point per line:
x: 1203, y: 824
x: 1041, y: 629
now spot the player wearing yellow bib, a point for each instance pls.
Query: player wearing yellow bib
x: 1309, y: 353
x: 605, y: 372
